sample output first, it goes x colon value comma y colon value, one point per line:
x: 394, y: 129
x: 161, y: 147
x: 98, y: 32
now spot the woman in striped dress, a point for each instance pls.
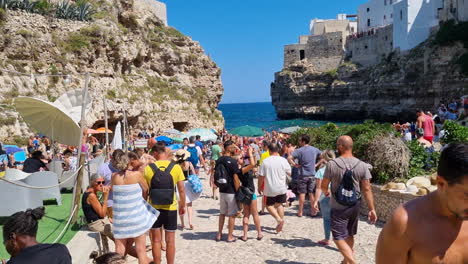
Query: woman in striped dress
x: 133, y: 216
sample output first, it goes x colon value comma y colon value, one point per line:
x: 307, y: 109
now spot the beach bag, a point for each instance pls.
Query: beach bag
x: 346, y: 193
x: 162, y: 185
x: 244, y: 195
x: 193, y: 156
x: 221, y: 175
x: 195, y: 183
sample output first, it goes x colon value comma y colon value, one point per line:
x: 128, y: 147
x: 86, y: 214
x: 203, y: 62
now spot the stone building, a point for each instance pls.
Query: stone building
x: 324, y: 47
x: 374, y: 14
x: 454, y: 9
x: 368, y: 48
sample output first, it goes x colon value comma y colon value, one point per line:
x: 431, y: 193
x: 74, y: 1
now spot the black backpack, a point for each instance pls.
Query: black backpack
x: 346, y: 193
x: 221, y: 175
x: 162, y: 187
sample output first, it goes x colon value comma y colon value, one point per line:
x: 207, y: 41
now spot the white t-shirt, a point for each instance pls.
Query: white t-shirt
x: 275, y: 170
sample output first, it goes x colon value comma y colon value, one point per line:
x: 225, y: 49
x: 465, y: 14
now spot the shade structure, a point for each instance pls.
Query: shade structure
x: 14, y: 149
x: 173, y: 131
x: 166, y: 140
x: 247, y: 131
x: 117, y: 141
x: 102, y: 130
x: 290, y: 130
x: 174, y: 147
x: 48, y: 119
x: 204, y: 133
x: 92, y: 131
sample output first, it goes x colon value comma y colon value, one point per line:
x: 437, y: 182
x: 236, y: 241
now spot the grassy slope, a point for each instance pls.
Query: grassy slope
x: 51, y: 225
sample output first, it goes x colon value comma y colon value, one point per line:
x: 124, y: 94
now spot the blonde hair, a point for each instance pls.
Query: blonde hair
x: 120, y: 160
x: 328, y: 155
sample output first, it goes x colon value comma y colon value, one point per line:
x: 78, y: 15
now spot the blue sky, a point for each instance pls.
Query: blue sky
x: 246, y: 38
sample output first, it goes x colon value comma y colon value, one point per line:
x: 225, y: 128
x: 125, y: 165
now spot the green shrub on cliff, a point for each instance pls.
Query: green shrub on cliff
x: 454, y: 133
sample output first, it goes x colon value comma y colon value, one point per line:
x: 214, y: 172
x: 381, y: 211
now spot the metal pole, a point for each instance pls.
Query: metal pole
x: 106, y: 125
x: 125, y: 130
x: 81, y: 156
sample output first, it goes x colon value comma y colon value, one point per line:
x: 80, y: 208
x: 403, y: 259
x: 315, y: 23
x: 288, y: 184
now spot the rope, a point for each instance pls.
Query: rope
x: 39, y: 188
x: 66, y: 226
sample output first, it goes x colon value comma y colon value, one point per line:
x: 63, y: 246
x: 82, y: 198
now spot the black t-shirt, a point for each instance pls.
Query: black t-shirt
x: 33, y: 165
x: 232, y: 168
x: 43, y: 254
x: 248, y: 181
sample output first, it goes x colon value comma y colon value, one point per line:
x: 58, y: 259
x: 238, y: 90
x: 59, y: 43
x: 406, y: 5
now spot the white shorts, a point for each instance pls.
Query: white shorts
x: 228, y: 204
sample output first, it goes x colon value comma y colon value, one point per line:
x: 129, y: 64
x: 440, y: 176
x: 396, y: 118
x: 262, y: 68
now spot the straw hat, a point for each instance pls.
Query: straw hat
x: 411, y: 189
x: 181, y: 154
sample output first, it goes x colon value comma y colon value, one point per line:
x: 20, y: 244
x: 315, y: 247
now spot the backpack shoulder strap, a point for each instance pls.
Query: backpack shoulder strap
x: 154, y: 167
x: 357, y: 163
x: 337, y: 164
x: 170, y: 167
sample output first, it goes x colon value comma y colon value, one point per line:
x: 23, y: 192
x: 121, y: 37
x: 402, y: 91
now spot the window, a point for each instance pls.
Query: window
x: 368, y: 9
x: 368, y: 22
x: 391, y: 15
x: 386, y: 37
x: 401, y: 14
x: 302, y: 54
x: 385, y: 2
x: 365, y: 46
x: 385, y: 17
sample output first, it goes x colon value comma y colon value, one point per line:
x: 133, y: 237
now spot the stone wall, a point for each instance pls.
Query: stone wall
x: 385, y: 202
x: 368, y: 48
x: 292, y: 53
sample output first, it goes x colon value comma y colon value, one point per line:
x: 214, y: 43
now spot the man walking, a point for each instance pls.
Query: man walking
x: 307, y: 157
x: 345, y: 200
x: 425, y: 122
x: 273, y: 172
x: 168, y: 213
x: 196, y: 155
x: 227, y: 200
x: 432, y: 228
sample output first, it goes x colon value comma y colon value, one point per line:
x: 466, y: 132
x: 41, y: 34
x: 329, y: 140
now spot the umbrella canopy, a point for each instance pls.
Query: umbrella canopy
x: 102, y: 130
x: 164, y: 139
x: 175, y: 146
x: 248, y: 131
x: 11, y: 150
x: 204, y: 133
x: 290, y: 130
x: 92, y: 131
x: 173, y: 131
x: 59, y: 119
x: 47, y: 118
x: 117, y: 141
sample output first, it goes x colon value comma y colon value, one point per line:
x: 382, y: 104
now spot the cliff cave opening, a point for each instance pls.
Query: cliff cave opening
x: 181, y: 126
x: 302, y: 54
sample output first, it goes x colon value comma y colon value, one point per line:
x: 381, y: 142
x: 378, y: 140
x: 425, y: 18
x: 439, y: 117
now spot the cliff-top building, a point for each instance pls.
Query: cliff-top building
x: 324, y: 47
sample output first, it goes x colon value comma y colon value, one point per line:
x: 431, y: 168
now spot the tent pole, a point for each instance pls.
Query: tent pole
x: 125, y: 130
x: 106, y: 151
x: 81, y: 156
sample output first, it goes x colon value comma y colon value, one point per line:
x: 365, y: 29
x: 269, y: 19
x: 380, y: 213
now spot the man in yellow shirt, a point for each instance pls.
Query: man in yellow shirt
x: 264, y: 155
x: 168, y: 213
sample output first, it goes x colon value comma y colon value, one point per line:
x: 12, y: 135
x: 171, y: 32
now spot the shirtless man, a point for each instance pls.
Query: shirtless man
x: 433, y: 228
x: 425, y: 122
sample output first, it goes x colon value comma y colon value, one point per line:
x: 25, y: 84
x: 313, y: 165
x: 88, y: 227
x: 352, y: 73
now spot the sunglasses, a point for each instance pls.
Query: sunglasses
x: 100, y: 182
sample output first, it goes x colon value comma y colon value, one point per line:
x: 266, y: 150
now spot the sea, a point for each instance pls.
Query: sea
x: 261, y: 115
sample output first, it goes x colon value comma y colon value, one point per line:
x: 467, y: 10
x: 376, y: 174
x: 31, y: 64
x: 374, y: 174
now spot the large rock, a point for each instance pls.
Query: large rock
x: 389, y: 91
x: 159, y: 76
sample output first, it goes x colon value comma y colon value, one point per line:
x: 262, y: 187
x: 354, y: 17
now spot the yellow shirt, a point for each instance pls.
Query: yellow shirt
x: 264, y: 155
x: 177, y: 175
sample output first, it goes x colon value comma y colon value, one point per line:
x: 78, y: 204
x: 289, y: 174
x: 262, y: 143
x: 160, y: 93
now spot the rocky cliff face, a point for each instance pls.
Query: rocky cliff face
x: 390, y: 91
x: 159, y: 76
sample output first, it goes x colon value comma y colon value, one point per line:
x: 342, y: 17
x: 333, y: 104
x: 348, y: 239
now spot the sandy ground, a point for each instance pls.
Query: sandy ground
x: 296, y: 244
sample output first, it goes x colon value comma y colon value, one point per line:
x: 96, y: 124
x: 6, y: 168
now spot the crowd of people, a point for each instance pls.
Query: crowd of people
x: 148, y: 190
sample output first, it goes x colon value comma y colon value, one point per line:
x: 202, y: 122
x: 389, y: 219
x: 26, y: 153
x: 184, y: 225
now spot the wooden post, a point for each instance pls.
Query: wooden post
x: 82, y: 156
x: 106, y: 125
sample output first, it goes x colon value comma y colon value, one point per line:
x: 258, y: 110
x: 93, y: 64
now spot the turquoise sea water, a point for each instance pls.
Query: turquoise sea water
x: 261, y: 115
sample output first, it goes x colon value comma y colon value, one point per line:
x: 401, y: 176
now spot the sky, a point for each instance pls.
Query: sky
x: 246, y: 38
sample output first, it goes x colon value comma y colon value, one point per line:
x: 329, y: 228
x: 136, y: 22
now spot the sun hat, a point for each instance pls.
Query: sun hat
x: 411, y: 189
x: 180, y: 155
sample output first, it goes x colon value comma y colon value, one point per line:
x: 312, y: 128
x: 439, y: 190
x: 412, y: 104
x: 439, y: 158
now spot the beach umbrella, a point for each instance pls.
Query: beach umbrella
x: 59, y: 119
x: 289, y: 130
x: 175, y: 146
x: 92, y: 131
x: 117, y: 140
x: 11, y: 150
x: 247, y: 131
x: 178, y: 140
x: 173, y: 131
x: 204, y: 133
x: 166, y: 140
x: 102, y: 130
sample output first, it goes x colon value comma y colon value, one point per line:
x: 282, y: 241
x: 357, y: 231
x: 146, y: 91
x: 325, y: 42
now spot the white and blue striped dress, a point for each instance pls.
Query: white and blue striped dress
x: 133, y: 216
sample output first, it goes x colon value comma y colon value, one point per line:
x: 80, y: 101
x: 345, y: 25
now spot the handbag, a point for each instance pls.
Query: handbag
x: 244, y: 195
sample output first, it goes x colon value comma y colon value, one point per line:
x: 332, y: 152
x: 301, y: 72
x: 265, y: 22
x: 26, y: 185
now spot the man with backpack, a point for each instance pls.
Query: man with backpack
x: 196, y: 155
x: 226, y: 177
x: 350, y: 180
x: 162, y: 177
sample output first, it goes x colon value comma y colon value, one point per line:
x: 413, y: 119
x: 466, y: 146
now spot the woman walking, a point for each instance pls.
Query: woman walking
x: 324, y: 201
x: 133, y: 216
x: 180, y: 157
x: 250, y: 209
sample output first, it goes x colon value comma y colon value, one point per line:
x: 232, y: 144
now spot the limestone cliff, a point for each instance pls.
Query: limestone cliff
x: 161, y: 77
x: 389, y: 91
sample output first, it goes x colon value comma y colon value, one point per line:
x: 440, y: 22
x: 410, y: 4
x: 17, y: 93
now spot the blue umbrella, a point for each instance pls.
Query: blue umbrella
x: 175, y: 146
x: 11, y: 150
x: 164, y: 139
